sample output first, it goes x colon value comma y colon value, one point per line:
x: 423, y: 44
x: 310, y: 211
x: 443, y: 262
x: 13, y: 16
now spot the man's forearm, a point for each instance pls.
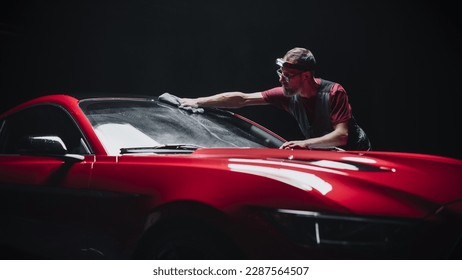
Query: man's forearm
x: 335, y: 138
x: 221, y: 100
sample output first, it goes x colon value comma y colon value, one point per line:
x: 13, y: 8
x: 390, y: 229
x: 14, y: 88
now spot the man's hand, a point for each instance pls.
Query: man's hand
x: 188, y: 102
x: 300, y: 144
x: 175, y: 100
x: 309, y: 145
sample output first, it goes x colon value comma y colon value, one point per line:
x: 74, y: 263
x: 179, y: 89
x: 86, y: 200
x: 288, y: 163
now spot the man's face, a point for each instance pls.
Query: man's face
x: 290, y: 80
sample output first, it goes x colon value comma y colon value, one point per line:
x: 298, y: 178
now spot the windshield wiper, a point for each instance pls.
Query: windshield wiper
x: 167, y: 148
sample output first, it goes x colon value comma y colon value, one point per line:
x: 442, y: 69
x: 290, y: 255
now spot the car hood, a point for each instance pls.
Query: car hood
x: 362, y: 183
x: 379, y: 183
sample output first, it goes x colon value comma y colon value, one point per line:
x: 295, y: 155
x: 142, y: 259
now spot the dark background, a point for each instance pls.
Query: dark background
x: 398, y: 60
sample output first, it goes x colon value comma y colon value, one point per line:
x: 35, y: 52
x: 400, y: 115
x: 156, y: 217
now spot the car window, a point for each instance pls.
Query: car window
x: 43, y: 120
x: 144, y: 123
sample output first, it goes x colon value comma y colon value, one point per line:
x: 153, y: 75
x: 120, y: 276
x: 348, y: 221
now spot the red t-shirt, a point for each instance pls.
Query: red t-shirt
x: 340, y: 109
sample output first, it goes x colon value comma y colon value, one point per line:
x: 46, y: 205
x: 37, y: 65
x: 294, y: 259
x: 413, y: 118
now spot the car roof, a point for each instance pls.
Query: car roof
x: 68, y: 98
x: 91, y: 95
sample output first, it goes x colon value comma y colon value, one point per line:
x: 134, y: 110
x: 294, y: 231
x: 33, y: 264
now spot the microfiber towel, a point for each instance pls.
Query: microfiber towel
x: 175, y: 100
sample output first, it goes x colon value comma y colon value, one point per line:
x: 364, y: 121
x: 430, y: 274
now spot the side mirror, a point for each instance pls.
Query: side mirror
x: 48, y: 145
x: 52, y: 145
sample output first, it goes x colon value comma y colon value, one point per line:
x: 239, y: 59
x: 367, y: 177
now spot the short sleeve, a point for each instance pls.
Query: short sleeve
x: 339, y: 104
x: 276, y: 97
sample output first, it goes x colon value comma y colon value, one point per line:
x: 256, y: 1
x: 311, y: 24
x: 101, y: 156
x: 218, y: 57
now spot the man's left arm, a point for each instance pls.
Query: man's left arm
x: 338, y: 137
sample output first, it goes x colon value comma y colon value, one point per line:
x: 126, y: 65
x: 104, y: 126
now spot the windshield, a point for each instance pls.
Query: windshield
x: 134, y: 123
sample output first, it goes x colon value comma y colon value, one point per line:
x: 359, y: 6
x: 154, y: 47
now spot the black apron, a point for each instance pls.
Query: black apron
x: 357, y: 138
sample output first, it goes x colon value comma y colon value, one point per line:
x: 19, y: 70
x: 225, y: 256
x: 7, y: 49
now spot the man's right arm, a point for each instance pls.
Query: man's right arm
x: 233, y: 99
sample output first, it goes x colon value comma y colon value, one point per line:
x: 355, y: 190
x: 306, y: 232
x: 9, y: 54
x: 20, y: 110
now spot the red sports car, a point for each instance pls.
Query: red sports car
x: 132, y: 178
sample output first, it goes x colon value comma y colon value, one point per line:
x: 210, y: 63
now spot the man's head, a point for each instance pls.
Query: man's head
x: 299, y: 59
x: 296, y: 67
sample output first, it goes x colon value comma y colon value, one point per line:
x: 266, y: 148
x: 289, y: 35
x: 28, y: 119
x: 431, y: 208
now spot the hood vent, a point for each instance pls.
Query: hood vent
x: 348, y: 165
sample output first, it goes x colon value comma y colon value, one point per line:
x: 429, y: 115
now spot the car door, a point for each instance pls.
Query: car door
x: 42, y: 196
